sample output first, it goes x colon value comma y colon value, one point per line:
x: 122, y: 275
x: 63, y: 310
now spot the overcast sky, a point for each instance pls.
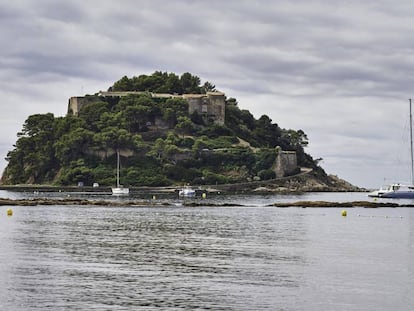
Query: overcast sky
x: 342, y: 71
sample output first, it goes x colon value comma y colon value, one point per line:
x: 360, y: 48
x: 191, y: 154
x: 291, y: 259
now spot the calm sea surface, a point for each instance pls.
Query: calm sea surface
x: 207, y: 258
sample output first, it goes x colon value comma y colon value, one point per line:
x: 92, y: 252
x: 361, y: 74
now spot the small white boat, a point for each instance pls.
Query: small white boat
x: 119, y: 189
x: 186, y: 192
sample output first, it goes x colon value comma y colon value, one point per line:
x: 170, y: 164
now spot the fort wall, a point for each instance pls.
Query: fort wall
x: 211, y: 104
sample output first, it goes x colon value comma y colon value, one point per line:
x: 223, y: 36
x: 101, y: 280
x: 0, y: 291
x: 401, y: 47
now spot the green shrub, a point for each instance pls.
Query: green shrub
x: 213, y: 178
x: 72, y: 176
x: 264, y: 159
x: 186, y: 142
x: 104, y: 175
x: 266, y: 174
x: 154, y: 180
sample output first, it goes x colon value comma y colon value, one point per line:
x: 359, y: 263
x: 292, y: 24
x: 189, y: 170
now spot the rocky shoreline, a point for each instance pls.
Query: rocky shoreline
x: 148, y: 203
x: 307, y: 181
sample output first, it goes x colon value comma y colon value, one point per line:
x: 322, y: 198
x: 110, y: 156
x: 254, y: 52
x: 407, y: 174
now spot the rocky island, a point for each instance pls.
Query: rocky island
x: 169, y: 130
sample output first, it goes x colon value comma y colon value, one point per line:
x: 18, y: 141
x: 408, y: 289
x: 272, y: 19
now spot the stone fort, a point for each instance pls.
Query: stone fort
x: 211, y: 104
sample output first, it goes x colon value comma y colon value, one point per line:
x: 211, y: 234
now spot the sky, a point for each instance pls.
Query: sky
x: 342, y: 71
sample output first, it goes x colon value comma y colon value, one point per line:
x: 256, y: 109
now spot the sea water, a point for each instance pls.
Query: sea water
x: 250, y: 257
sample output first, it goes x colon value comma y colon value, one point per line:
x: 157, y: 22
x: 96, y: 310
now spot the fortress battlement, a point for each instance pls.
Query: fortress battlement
x: 211, y: 104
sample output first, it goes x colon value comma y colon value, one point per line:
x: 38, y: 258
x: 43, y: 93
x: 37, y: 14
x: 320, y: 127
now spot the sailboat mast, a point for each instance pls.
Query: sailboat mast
x: 117, y: 168
x: 411, y: 145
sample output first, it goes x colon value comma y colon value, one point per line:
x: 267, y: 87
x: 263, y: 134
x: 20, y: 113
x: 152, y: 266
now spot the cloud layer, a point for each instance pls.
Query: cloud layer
x: 340, y: 70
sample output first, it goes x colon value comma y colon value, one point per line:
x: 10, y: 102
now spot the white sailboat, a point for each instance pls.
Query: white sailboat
x: 119, y: 189
x: 397, y: 190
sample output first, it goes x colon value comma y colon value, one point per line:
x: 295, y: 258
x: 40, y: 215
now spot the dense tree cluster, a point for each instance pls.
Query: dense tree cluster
x: 165, y: 145
x: 164, y: 82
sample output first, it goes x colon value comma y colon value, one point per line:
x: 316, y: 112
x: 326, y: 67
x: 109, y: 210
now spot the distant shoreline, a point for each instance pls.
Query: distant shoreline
x: 50, y: 188
x: 197, y: 203
x: 303, y: 182
x: 228, y: 189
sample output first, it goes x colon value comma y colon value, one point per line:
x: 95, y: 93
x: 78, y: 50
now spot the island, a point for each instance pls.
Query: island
x: 169, y: 130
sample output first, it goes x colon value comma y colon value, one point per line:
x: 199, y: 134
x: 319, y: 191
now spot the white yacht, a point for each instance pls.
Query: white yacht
x: 397, y: 190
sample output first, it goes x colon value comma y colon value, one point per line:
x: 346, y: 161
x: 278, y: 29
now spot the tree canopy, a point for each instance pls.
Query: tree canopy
x: 163, y: 82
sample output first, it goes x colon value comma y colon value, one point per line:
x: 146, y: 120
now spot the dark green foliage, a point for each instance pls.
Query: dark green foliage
x: 211, y: 178
x: 215, y: 130
x: 33, y: 159
x: 76, y: 172
x: 105, y: 174
x: 267, y: 133
x: 165, y: 144
x: 266, y: 174
x: 197, y: 118
x: 92, y: 113
x: 163, y: 82
x: 181, y: 173
x: 186, y: 142
x: 72, y: 146
x: 264, y: 159
x: 144, y: 172
x: 241, y: 122
x: 185, y: 126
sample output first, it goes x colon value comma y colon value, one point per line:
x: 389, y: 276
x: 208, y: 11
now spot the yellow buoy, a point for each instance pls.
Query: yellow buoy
x: 204, y: 195
x: 154, y: 197
x: 9, y: 212
x: 343, y: 213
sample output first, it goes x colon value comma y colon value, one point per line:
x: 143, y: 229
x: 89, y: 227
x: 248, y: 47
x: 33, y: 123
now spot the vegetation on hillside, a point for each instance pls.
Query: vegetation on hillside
x: 163, y: 82
x: 185, y: 149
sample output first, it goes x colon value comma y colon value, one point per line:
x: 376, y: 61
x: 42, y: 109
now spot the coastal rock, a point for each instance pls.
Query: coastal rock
x: 307, y: 181
x: 303, y: 204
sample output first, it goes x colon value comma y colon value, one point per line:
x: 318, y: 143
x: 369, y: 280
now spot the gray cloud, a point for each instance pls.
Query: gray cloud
x: 341, y: 71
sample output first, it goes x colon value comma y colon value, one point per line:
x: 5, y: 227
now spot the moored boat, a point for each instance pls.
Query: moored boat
x: 119, y: 189
x: 186, y: 191
x: 397, y: 190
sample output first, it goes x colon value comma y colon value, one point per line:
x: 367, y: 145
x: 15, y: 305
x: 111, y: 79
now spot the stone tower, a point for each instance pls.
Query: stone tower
x: 286, y: 163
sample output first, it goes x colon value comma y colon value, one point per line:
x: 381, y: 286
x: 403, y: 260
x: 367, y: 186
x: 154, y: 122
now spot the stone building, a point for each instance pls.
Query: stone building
x: 211, y: 105
x: 75, y: 104
x: 286, y: 163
